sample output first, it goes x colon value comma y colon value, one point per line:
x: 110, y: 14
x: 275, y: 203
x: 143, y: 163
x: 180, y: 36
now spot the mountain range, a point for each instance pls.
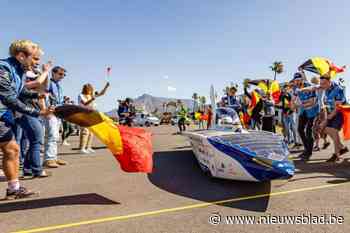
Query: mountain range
x: 151, y: 104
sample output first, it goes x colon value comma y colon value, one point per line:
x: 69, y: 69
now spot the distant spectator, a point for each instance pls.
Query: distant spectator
x: 87, y: 99
x: 182, y: 116
x: 210, y: 117
x: 52, y: 123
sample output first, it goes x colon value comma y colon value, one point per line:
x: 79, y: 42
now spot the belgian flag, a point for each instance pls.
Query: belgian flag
x: 132, y: 147
x: 254, y: 101
x: 268, y: 86
x: 322, y: 66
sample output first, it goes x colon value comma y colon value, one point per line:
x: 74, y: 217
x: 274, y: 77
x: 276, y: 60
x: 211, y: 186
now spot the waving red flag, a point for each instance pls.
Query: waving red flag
x: 337, y: 69
x: 132, y: 147
x: 137, y: 150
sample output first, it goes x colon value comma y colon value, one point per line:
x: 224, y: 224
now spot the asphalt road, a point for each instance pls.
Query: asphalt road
x: 92, y: 195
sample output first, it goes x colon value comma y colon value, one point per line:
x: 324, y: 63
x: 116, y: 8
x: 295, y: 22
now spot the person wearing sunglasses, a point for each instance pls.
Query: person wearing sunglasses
x: 52, y: 123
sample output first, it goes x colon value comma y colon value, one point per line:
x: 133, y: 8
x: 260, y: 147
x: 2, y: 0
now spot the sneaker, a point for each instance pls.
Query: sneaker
x: 296, y: 146
x: 316, y: 148
x: 332, y: 159
x: 84, y: 151
x: 51, y: 164
x: 344, y: 151
x: 306, y: 158
x: 22, y: 192
x: 91, y: 150
x: 43, y: 174
x: 27, y: 174
x: 339, y: 160
x: 326, y: 145
x: 65, y: 143
x: 61, y: 162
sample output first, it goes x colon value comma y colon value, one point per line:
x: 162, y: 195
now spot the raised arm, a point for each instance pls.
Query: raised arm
x: 247, y: 93
x: 310, y: 89
x: 42, y: 78
x: 98, y: 94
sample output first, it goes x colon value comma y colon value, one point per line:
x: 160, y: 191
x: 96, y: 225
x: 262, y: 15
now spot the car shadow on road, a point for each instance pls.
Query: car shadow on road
x: 80, y: 199
x: 178, y: 172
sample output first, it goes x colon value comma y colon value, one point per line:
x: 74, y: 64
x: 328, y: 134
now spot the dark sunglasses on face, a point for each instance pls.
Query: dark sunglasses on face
x: 62, y: 74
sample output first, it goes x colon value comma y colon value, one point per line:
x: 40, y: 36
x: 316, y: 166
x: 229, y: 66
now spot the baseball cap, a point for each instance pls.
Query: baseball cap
x: 297, y: 76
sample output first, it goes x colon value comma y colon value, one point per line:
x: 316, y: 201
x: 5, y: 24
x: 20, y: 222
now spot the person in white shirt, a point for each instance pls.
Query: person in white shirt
x: 87, y: 99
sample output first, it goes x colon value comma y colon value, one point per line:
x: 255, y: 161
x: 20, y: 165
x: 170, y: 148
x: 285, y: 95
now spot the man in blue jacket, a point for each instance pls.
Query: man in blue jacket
x: 12, y: 70
x: 52, y: 123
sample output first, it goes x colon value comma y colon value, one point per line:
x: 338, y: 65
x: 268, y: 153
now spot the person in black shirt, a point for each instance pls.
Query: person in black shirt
x: 255, y: 117
x: 289, y: 129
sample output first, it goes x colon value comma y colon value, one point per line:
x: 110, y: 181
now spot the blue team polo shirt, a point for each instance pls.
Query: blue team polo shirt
x: 304, y: 97
x: 334, y: 94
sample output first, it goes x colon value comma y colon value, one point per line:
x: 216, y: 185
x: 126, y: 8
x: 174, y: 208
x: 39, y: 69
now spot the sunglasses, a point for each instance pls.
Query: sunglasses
x: 62, y: 74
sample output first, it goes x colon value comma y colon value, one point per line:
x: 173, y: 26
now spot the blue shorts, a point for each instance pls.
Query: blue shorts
x: 336, y: 122
x: 6, y: 131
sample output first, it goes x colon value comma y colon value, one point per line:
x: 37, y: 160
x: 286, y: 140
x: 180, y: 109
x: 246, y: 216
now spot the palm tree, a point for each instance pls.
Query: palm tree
x: 277, y: 68
x: 202, y: 101
x: 195, y: 99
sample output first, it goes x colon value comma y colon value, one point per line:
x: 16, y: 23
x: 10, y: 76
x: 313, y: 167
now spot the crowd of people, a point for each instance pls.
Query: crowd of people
x: 126, y: 112
x: 29, y: 94
x: 308, y: 109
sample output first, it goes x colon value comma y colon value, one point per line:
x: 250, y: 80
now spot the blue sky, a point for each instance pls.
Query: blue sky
x: 157, y: 46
